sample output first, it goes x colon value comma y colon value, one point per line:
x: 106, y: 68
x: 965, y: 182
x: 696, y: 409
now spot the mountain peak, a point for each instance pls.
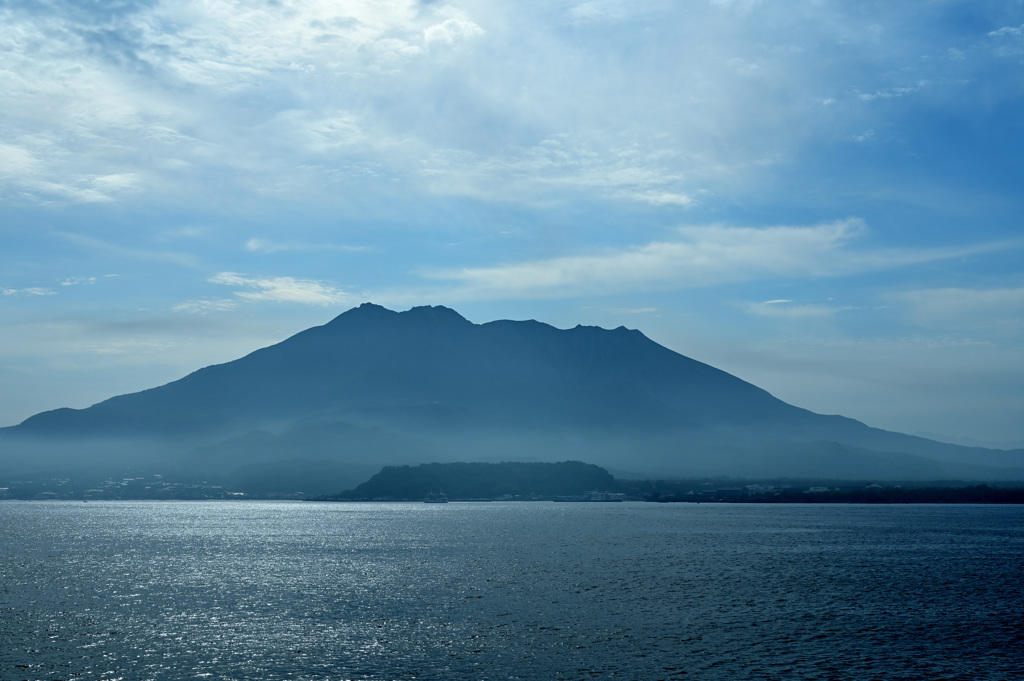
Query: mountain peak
x: 366, y: 310
x: 435, y: 313
x: 358, y: 315
x: 423, y: 313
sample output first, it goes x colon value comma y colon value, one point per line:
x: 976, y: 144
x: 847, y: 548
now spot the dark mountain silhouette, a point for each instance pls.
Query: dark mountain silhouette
x: 375, y: 387
x: 484, y: 481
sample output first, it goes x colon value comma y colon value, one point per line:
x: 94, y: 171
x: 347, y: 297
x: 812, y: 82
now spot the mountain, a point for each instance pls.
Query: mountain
x: 376, y: 387
x: 484, y: 481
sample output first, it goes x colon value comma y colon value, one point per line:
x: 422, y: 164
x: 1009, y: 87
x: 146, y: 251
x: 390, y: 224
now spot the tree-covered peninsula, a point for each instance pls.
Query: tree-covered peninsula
x: 483, y: 481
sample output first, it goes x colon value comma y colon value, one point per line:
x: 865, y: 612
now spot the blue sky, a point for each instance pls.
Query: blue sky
x: 823, y: 198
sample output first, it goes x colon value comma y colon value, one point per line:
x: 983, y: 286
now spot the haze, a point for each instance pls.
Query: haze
x: 822, y: 199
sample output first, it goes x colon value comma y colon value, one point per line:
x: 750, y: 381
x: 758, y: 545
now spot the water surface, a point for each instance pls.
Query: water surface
x: 240, y: 590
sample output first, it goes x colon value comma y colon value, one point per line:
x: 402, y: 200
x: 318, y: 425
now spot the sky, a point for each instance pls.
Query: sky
x: 824, y: 198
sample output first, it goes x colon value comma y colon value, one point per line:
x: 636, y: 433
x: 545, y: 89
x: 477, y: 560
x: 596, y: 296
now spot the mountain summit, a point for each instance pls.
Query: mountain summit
x: 374, y: 387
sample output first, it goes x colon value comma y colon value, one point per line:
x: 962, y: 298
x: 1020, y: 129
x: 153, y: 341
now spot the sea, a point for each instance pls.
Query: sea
x: 517, y: 590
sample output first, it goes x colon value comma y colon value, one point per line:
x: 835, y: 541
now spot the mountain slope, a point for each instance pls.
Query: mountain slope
x: 375, y: 386
x: 370, y: 357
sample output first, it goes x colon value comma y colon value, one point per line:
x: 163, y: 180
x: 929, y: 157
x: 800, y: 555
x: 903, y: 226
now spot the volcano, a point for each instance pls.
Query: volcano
x: 376, y: 387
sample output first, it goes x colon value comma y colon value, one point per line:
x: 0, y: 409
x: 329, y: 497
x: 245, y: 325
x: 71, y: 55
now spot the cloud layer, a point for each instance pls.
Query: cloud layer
x: 465, y: 99
x: 284, y: 290
x: 702, y: 257
x: 729, y: 172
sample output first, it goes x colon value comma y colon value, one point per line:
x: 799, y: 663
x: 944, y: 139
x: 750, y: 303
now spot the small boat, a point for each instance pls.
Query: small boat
x: 435, y: 498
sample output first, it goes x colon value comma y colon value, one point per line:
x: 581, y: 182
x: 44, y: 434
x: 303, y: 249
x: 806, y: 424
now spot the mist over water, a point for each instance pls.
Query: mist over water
x: 274, y: 590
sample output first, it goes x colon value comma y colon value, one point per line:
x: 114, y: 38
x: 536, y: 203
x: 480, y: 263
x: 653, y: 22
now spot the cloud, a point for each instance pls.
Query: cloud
x: 78, y: 281
x: 129, y: 347
x: 320, y: 132
x: 742, y: 6
x: 699, y: 257
x: 997, y: 311
x: 1008, y: 32
x: 100, y: 104
x: 257, y: 245
x: 205, y: 306
x: 633, y: 310
x: 284, y: 290
x: 36, y: 168
x: 1012, y: 31
x: 129, y: 253
x: 1009, y: 41
x: 786, y: 309
x: 577, y: 162
x: 653, y: 103
x: 612, y: 11
x: 30, y: 291
x: 259, y: 93
x: 891, y: 93
x: 451, y: 31
x: 16, y: 161
x: 239, y: 45
x: 659, y: 198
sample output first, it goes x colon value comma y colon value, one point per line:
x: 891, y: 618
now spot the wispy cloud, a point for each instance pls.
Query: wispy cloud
x: 129, y: 253
x: 98, y: 105
x: 698, y: 257
x: 46, y: 182
x: 451, y: 31
x: 788, y: 309
x: 105, y: 105
x: 16, y: 161
x: 976, y: 311
x: 30, y: 291
x: 284, y: 290
x: 78, y: 281
x: 891, y: 93
x: 631, y: 169
x: 742, y: 6
x: 611, y: 11
x: 206, y: 305
x: 1009, y: 40
x: 633, y: 310
x: 659, y: 198
x: 257, y: 245
x: 1008, y: 31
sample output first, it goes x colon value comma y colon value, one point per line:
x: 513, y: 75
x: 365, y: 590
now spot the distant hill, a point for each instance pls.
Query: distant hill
x: 375, y: 387
x: 484, y: 481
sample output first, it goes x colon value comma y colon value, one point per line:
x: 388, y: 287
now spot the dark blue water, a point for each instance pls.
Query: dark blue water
x: 237, y: 590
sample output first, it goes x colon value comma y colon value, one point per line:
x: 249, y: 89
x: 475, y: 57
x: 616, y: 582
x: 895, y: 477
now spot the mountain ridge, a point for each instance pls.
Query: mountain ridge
x: 376, y: 386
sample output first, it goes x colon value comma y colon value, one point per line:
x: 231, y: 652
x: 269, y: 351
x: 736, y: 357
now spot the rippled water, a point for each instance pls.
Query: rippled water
x: 237, y: 590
